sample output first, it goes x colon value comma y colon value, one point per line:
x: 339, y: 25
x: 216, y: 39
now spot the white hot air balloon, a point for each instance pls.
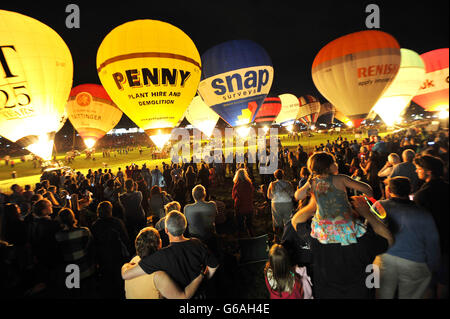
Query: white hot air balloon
x: 201, y: 116
x: 403, y: 88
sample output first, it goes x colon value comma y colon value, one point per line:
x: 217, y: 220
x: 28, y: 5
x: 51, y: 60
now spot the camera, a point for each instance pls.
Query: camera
x: 430, y: 143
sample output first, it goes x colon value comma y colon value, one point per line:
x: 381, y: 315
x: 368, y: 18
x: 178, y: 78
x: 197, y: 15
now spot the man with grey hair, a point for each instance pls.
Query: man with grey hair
x: 183, y: 259
x: 201, y: 215
x: 407, y: 169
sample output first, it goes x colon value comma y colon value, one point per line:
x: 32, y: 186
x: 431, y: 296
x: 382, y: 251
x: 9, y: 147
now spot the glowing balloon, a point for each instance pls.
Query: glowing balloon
x: 433, y: 94
x: 267, y: 112
x: 201, y: 116
x: 92, y: 112
x: 402, y: 89
x: 309, y: 109
x: 234, y: 74
x: 344, y: 119
x: 36, y: 72
x: 151, y: 70
x: 353, y: 71
x: 289, y: 109
x: 327, y: 112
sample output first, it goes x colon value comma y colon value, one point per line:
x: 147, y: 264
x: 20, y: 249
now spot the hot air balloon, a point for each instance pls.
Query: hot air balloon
x: 402, y: 89
x: 353, y: 71
x: 289, y: 110
x: 309, y: 110
x: 235, y: 74
x: 92, y: 112
x: 344, y: 119
x: 36, y: 71
x: 268, y: 111
x: 327, y: 112
x: 151, y: 70
x: 201, y: 116
x: 433, y: 94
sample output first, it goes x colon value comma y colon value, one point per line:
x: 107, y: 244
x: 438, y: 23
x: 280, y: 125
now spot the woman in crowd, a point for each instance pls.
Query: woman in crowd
x: 242, y: 194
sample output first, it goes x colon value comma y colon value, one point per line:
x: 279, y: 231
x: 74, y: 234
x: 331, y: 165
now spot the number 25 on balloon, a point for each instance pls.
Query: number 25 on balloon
x: 13, y: 96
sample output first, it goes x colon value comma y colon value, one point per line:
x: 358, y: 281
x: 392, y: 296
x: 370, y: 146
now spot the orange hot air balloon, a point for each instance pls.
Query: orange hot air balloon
x: 268, y: 111
x: 433, y: 94
x: 353, y: 71
x: 92, y: 112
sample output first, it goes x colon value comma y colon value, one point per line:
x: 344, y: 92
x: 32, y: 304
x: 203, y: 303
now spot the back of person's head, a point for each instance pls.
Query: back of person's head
x: 408, y: 155
x: 176, y: 223
x: 241, y: 175
x: 147, y: 242
x: 280, y: 266
x: 399, y: 186
x: 67, y: 217
x: 27, y: 187
x: 199, y: 192
x: 104, y: 209
x: 174, y: 205
x: 320, y: 163
x: 278, y: 174
x: 40, y: 208
x: 11, y: 212
x: 430, y: 163
x: 304, y: 172
x: 129, y: 185
x: 393, y: 158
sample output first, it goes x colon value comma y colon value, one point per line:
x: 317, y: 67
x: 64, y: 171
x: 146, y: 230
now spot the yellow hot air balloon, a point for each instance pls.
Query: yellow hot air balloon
x: 201, y: 116
x: 91, y: 112
x: 403, y: 88
x: 36, y: 71
x: 353, y: 71
x: 289, y: 109
x: 151, y: 70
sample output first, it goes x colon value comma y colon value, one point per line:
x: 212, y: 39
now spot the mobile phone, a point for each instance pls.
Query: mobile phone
x: 411, y: 197
x: 430, y: 143
x: 68, y: 197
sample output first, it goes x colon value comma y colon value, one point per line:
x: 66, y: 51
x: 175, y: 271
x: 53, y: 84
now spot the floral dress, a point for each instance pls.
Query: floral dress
x: 333, y: 221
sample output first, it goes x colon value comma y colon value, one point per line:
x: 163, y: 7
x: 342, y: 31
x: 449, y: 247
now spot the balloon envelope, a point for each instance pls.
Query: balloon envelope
x: 433, y: 94
x: 353, y: 71
x: 309, y: 109
x: 36, y: 72
x: 234, y: 74
x: 201, y: 116
x: 92, y: 112
x: 151, y: 70
x: 289, y: 109
x: 268, y: 111
x: 402, y: 89
x: 327, y: 112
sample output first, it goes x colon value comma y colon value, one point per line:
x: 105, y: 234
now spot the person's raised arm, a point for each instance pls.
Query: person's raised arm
x: 170, y: 290
x: 357, y: 185
x: 304, y: 213
x: 302, y: 192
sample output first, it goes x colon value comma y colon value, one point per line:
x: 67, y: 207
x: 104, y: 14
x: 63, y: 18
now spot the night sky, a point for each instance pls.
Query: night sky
x: 292, y: 32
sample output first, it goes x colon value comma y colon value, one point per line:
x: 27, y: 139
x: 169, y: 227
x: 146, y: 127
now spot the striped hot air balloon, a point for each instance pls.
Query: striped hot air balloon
x: 327, y: 112
x: 268, y: 111
x: 309, y: 109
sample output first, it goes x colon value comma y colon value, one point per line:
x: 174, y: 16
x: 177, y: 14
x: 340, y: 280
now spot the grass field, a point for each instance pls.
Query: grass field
x: 26, y: 174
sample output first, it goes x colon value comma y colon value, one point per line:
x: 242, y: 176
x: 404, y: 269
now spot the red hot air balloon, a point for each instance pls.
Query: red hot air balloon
x: 268, y: 111
x: 433, y: 94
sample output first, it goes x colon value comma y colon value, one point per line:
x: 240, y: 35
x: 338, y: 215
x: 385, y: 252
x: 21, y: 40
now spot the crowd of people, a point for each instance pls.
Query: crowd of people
x: 161, y: 232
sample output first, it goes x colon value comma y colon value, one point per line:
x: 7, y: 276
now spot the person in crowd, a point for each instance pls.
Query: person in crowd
x: 282, y: 281
x: 281, y: 193
x: 407, y: 169
x: 304, y: 176
x: 203, y: 177
x: 183, y: 260
x: 156, y: 204
x: 75, y: 246
x: 134, y: 213
x: 191, y: 177
x: 370, y: 169
x: 201, y: 216
x: 158, y: 284
x: 242, y: 194
x: 339, y: 271
x: 432, y: 196
x: 333, y: 221
x: 407, y: 265
x: 112, y: 250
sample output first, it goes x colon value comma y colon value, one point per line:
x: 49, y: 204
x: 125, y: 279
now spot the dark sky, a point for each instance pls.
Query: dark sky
x: 292, y: 32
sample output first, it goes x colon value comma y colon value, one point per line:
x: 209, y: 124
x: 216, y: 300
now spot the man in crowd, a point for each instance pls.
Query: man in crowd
x: 407, y: 169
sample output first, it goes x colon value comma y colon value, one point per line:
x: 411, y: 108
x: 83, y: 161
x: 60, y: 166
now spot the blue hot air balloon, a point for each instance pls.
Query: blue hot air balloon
x: 235, y: 74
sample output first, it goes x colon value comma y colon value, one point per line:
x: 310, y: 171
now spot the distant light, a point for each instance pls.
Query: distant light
x: 443, y: 115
